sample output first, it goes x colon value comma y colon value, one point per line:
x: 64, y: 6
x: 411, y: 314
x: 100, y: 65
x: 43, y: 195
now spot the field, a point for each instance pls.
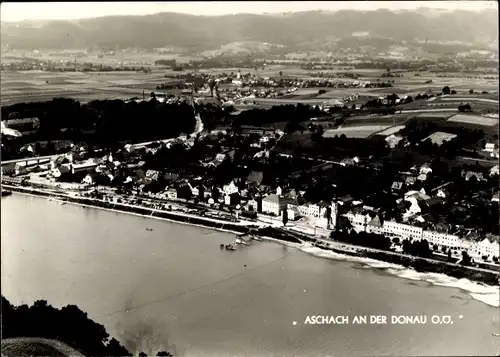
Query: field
x: 38, y: 85
x: 473, y: 119
x: 392, y: 130
x: 360, y: 132
x: 440, y: 137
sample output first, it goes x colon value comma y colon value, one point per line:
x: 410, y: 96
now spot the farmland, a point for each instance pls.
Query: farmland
x: 473, y: 119
x: 360, y: 132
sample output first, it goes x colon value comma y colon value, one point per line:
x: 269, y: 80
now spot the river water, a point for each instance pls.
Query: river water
x: 174, y: 288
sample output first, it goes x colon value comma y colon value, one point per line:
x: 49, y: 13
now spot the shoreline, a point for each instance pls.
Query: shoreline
x: 478, y: 289
x: 40, y: 194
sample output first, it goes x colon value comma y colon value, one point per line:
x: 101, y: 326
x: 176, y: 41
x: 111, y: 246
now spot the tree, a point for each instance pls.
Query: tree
x: 285, y: 217
x: 466, y: 259
x: 395, y: 240
x: 471, y: 91
x: 446, y: 90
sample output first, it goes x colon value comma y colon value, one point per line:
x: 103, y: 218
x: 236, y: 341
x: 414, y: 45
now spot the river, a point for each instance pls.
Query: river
x: 185, y: 294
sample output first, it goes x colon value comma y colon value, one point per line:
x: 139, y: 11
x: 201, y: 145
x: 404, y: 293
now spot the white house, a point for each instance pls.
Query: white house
x: 486, y: 247
x: 230, y: 188
x: 442, y: 239
x: 358, y: 221
x: 171, y: 193
x: 494, y: 170
x: 273, y: 204
x: 405, y: 231
x: 425, y: 169
x: 310, y: 210
x: 489, y: 147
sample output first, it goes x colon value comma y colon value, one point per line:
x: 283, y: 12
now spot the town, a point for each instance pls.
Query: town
x: 426, y: 177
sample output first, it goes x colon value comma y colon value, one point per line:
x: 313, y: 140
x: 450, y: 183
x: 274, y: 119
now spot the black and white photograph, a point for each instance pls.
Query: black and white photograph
x: 249, y: 179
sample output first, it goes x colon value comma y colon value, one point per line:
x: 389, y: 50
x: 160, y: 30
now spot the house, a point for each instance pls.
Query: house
x: 401, y: 230
x: 495, y: 197
x: 151, y: 176
x: 91, y: 178
x: 358, y: 220
x: 478, y: 175
x: 255, y: 178
x: 396, y: 186
x: 425, y: 169
x: 171, y: 193
x: 61, y: 171
x: 273, y: 204
x: 410, y: 180
x: 255, y: 205
x: 310, y: 210
x: 220, y: 158
x: 486, y: 247
x: 495, y: 153
x: 348, y: 162
x: 83, y: 167
x: 422, y: 177
x: 230, y: 188
x: 442, y: 239
x: 375, y: 225
x: 489, y: 147
x: 442, y: 193
x: 494, y: 170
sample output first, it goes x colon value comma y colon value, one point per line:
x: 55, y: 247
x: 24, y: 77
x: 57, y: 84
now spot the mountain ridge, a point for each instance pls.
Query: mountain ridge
x: 199, y: 32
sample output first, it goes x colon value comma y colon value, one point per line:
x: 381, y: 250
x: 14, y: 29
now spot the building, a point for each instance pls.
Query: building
x: 230, y: 188
x: 376, y: 225
x: 23, y: 125
x: 62, y: 170
x: 494, y: 170
x: 401, y: 230
x: 255, y: 205
x: 273, y: 204
x: 83, y: 167
x: 358, y: 220
x: 151, y: 176
x: 425, y: 169
x: 489, y: 147
x: 171, y: 193
x: 443, y: 239
x: 486, y: 247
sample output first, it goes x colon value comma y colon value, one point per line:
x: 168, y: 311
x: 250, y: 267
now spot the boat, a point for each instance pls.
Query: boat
x: 240, y: 241
x: 6, y: 193
x: 149, y: 229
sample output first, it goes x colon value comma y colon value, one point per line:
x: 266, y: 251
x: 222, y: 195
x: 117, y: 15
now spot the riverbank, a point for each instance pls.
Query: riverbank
x: 278, y: 235
x: 264, y: 232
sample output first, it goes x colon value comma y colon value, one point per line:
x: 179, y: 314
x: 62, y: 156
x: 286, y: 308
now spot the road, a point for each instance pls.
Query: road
x: 30, y: 159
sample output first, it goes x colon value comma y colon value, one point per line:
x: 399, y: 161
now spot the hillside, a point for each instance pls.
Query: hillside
x: 293, y: 30
x: 18, y: 347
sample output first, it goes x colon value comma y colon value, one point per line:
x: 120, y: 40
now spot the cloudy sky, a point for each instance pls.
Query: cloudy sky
x: 68, y: 10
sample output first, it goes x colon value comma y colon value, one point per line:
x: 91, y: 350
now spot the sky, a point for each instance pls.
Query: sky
x: 18, y: 11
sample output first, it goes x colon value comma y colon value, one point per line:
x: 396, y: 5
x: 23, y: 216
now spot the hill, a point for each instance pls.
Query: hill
x: 293, y: 30
x: 17, y: 347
